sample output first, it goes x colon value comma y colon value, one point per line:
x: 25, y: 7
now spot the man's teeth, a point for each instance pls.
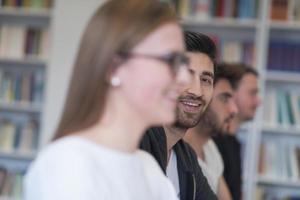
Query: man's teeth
x: 191, y: 104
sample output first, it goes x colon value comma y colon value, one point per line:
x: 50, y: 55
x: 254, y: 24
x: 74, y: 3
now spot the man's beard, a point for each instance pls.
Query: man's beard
x: 187, y: 120
x: 250, y: 116
x: 245, y: 118
x: 211, y: 122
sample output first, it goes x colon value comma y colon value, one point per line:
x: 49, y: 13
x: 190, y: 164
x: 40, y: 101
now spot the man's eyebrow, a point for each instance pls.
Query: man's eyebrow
x: 207, y: 73
x: 226, y: 94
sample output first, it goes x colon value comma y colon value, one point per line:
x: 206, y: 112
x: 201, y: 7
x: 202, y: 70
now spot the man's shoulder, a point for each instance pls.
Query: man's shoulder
x: 189, y: 162
x: 186, y: 148
x: 153, y: 136
x: 186, y: 154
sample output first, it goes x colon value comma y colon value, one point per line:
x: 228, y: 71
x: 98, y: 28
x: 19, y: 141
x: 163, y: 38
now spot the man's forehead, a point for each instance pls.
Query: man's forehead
x: 249, y: 79
x: 223, y: 86
x: 200, y: 61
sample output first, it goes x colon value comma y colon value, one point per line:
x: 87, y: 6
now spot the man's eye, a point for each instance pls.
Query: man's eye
x: 206, y: 80
x: 224, y: 99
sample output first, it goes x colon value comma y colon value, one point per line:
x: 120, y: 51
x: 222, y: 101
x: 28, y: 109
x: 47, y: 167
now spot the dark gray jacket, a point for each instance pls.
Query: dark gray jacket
x: 193, y: 184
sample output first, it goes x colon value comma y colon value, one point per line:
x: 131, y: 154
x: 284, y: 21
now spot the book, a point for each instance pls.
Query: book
x: 293, y: 163
x: 202, y: 10
x: 246, y: 9
x: 232, y: 51
x: 296, y: 11
x: 205, y: 9
x: 44, y: 44
x: 16, y: 40
x: 28, y: 137
x: 279, y: 9
x: 7, y: 136
x: 270, y: 108
x: 281, y: 108
x: 36, y: 4
x: 38, y: 87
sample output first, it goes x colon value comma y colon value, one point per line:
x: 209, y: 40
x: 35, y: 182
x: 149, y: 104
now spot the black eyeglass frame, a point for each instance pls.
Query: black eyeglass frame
x: 175, y: 60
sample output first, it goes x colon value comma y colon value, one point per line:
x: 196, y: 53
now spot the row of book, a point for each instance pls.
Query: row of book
x: 205, y: 9
x: 284, y: 56
x: 25, y: 87
x: 236, y: 52
x: 18, y: 137
x: 26, y: 3
x: 287, y: 10
x: 281, y: 108
x: 279, y: 160
x: 11, y: 184
x: 263, y: 194
x: 17, y: 42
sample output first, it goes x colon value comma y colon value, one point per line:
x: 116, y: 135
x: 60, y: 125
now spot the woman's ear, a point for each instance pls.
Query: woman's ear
x: 113, y: 77
x: 115, y: 81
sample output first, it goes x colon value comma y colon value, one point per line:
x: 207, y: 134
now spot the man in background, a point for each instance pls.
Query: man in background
x: 216, y: 120
x: 246, y: 91
x: 246, y: 95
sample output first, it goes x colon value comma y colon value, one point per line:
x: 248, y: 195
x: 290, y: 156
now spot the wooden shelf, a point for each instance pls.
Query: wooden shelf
x: 18, y: 156
x: 221, y: 23
x: 278, y: 182
x: 23, y: 62
x: 285, y: 25
x: 25, y: 12
x: 25, y: 16
x: 21, y: 107
x: 281, y: 76
x: 280, y: 130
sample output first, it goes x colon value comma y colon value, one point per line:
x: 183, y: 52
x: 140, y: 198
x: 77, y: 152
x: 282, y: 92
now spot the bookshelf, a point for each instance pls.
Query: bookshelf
x: 24, y: 52
x: 59, y: 70
x: 272, y: 26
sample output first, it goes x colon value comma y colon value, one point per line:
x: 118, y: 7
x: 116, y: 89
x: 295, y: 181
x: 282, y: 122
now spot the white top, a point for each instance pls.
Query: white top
x: 172, y: 172
x: 78, y: 169
x: 213, y: 165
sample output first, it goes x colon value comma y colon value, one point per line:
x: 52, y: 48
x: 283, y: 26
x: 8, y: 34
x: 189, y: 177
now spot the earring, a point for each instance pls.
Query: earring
x: 115, y: 81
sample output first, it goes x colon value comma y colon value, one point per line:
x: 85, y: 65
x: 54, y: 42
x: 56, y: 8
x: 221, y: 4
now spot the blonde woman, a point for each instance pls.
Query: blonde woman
x: 129, y: 70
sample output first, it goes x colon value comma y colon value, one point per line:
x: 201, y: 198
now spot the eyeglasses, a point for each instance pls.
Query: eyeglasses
x: 175, y: 60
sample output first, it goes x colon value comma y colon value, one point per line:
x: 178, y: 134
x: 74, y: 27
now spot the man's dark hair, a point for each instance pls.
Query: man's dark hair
x: 233, y: 72
x: 200, y: 43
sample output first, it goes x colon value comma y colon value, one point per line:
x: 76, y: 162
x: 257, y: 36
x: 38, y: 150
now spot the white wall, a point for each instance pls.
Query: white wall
x: 68, y: 21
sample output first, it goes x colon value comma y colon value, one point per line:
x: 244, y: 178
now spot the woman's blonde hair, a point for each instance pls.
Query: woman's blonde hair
x: 117, y: 26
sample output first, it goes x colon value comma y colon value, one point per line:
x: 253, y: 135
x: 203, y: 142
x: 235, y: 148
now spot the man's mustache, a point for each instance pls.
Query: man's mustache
x: 194, y: 98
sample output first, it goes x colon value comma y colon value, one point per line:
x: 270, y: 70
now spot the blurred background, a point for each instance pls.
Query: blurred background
x: 38, y: 43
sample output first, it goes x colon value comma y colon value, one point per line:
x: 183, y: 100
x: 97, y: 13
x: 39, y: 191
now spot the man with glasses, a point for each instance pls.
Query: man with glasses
x: 176, y: 158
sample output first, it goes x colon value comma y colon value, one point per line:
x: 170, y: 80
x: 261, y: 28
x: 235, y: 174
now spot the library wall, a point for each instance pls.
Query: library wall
x: 37, y: 51
x: 66, y: 36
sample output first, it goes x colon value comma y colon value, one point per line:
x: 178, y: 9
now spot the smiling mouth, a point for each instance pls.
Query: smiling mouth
x: 191, y: 106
